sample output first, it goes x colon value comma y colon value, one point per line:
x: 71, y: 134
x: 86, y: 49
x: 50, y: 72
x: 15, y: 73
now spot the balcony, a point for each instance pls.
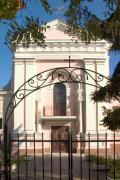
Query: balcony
x: 51, y: 111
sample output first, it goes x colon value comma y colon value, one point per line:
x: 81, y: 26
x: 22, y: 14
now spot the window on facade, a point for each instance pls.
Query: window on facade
x: 59, y: 99
x: 0, y: 123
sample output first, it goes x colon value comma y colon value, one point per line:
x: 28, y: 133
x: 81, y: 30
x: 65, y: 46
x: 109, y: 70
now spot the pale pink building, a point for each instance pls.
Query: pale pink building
x: 60, y: 107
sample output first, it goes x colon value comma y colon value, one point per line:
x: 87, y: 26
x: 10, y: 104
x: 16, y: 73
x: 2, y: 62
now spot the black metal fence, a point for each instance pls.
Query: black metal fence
x: 89, y: 157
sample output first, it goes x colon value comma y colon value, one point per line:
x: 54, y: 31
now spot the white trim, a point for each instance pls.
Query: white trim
x: 53, y: 56
x: 93, y: 43
x: 3, y: 92
x: 62, y: 118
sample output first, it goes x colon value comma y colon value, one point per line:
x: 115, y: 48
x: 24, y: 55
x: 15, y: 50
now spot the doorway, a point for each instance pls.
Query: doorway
x: 60, y: 133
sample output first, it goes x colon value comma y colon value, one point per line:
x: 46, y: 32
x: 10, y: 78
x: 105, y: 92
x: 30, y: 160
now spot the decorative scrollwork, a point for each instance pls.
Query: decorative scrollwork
x: 100, y: 78
x: 40, y: 77
x: 50, y: 77
x: 61, y: 74
x: 31, y: 82
x: 20, y: 94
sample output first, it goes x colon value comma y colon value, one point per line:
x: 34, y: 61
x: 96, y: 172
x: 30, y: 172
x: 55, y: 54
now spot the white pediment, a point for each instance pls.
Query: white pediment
x: 56, y: 31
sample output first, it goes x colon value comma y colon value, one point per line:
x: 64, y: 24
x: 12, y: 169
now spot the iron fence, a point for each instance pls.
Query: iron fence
x: 89, y: 157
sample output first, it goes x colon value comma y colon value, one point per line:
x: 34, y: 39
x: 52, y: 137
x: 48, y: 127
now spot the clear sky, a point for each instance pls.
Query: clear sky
x: 6, y: 55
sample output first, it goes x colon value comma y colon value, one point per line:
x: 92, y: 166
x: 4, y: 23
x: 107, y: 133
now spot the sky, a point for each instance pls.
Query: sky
x: 6, y: 56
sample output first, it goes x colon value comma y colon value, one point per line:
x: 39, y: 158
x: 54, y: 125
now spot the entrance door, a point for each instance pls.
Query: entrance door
x: 60, y: 132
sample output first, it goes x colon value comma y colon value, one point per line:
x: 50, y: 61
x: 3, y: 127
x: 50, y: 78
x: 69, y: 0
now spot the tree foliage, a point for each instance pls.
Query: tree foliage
x: 31, y: 32
x: 9, y: 8
x: 110, y: 93
x: 87, y: 26
x: 111, y: 118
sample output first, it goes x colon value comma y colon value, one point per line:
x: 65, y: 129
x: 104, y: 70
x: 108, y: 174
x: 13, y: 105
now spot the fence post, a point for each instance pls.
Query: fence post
x: 70, y: 156
x: 6, y: 151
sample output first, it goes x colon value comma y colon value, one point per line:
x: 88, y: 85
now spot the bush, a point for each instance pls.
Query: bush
x: 117, y: 169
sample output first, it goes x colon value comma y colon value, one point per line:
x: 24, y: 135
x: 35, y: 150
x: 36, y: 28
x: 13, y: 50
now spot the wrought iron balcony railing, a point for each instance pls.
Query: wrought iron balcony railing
x: 57, y: 111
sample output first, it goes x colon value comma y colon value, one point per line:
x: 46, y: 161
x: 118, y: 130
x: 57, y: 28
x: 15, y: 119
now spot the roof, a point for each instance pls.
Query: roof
x: 56, y: 21
x: 7, y: 87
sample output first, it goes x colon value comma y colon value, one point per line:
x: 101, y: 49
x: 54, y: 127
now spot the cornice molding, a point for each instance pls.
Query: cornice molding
x: 61, y: 56
x: 22, y: 60
x: 62, y: 46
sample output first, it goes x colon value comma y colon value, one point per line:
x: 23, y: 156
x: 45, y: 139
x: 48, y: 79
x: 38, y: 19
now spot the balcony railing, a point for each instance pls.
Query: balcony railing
x: 51, y: 111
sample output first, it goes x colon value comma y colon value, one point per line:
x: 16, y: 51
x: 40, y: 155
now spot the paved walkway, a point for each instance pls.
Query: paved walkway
x: 26, y: 169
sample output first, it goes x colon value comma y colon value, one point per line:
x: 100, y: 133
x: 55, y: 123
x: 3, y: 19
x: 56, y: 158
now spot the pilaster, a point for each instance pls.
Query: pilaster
x: 80, y: 100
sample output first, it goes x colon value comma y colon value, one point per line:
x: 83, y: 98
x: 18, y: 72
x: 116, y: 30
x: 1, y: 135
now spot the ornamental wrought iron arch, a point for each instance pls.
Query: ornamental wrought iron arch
x: 50, y: 77
x: 44, y: 79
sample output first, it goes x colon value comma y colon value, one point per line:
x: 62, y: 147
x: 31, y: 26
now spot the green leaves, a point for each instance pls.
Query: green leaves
x: 9, y: 8
x: 31, y: 32
x: 110, y: 29
x: 112, y: 118
x: 46, y: 6
x: 81, y: 23
x: 110, y: 92
x: 101, y: 95
x: 93, y: 29
x: 87, y: 27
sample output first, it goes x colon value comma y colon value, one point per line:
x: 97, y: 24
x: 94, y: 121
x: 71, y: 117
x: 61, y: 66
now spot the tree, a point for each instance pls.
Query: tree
x: 87, y: 26
x: 32, y: 31
x: 9, y: 8
x: 110, y: 93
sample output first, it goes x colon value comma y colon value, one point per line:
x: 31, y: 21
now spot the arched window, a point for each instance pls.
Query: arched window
x: 59, y: 98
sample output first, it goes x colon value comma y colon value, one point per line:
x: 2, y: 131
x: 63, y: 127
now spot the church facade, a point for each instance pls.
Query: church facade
x: 59, y: 107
